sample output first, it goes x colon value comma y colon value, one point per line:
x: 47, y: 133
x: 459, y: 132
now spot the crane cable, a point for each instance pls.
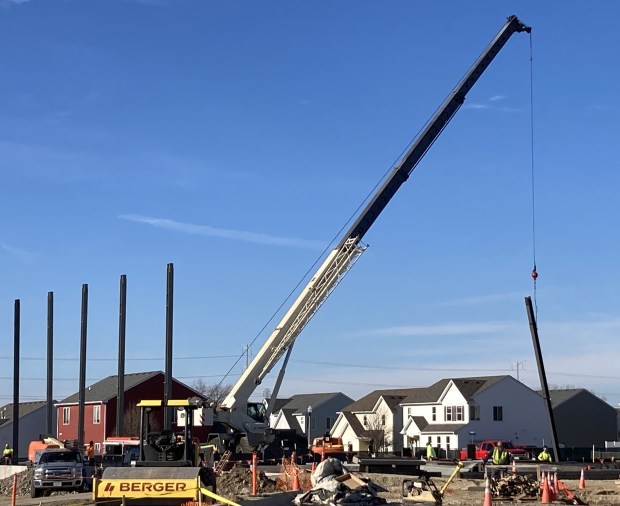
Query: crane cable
x: 534, y: 271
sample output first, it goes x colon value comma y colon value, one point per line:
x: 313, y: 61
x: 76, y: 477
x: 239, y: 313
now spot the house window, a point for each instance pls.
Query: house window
x: 447, y: 442
x: 383, y: 420
x: 408, y: 411
x: 365, y: 421
x: 474, y: 412
x: 65, y: 415
x: 96, y: 414
x: 498, y: 414
x: 434, y: 416
x: 438, y: 441
x: 328, y: 422
x: 453, y: 413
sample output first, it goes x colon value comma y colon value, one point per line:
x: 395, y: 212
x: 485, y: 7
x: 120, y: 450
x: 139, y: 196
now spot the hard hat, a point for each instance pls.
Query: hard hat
x: 499, y: 443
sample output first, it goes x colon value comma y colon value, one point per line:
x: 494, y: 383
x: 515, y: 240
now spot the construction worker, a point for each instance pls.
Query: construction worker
x: 7, y: 454
x: 544, y: 456
x: 500, y: 455
x: 90, y: 453
x: 430, y: 451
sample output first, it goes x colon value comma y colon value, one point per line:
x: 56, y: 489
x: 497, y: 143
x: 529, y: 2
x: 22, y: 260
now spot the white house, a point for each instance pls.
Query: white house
x: 374, y: 420
x: 454, y: 412
x: 32, y: 423
x: 309, y: 414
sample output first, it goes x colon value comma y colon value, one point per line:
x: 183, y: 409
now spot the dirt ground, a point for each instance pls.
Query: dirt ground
x: 237, y: 485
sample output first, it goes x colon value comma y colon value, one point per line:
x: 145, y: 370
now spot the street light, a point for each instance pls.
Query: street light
x: 308, y: 429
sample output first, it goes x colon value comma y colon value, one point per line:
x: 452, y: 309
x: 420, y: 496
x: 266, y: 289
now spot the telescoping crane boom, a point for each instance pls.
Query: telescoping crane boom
x: 246, y: 424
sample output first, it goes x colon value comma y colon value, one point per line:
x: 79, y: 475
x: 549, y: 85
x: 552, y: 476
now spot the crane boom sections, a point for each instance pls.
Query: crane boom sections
x: 350, y: 247
x: 331, y: 272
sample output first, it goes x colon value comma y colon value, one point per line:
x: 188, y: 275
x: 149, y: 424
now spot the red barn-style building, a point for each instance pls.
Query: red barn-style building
x: 100, y: 407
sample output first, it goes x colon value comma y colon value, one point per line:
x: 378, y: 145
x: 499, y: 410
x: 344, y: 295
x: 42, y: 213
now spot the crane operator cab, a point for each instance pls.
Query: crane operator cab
x: 257, y: 411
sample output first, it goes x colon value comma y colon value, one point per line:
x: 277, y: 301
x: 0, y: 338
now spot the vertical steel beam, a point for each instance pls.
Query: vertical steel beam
x: 168, y: 412
x: 122, y: 323
x: 16, y: 339
x: 543, y: 376
x: 82, y: 391
x: 50, y: 365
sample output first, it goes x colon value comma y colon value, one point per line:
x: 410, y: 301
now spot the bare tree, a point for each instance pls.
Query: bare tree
x: 214, y: 393
x: 378, y: 431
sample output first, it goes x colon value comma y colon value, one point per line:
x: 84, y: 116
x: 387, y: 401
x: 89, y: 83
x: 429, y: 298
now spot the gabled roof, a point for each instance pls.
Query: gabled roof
x: 356, y: 426
x: 560, y: 396
x: 107, y: 388
x: 291, y: 420
x: 467, y: 386
x: 6, y: 411
x: 280, y: 403
x: 300, y: 402
x: 368, y: 402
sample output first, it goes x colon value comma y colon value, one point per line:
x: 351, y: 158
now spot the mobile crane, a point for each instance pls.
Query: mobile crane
x: 241, y: 426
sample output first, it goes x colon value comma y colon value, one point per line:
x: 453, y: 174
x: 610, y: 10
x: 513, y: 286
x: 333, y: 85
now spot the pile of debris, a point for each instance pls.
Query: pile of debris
x: 238, y: 482
x: 24, y: 482
x: 515, y: 485
x: 333, y: 484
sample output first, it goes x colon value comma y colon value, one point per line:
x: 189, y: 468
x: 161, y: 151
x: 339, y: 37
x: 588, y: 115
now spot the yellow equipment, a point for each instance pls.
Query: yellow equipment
x: 168, y: 471
x: 424, y: 490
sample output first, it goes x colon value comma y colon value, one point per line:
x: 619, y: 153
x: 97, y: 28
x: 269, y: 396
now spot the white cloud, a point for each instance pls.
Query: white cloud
x: 494, y: 98
x: 235, y: 235
x: 23, y: 255
x: 446, y: 329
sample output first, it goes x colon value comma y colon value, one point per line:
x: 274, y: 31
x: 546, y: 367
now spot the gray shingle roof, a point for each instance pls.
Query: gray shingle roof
x: 107, y: 388
x: 444, y: 427
x: 300, y: 402
x: 367, y: 403
x: 356, y: 426
x: 559, y: 396
x: 6, y: 411
x: 467, y: 386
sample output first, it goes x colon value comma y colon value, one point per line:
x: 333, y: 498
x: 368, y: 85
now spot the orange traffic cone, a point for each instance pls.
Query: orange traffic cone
x: 488, y: 499
x: 295, y: 480
x: 514, y: 468
x: 552, y: 491
x: 546, y: 496
x: 582, y: 481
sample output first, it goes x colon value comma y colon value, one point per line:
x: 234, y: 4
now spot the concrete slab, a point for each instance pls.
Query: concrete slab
x: 6, y: 471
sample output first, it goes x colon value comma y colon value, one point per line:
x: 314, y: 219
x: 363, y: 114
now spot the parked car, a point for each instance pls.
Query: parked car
x: 58, y: 469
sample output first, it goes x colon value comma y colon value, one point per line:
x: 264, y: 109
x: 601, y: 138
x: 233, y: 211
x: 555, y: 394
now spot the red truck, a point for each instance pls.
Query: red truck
x: 483, y: 449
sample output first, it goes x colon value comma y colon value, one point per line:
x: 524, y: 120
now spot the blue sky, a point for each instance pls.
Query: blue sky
x: 235, y: 139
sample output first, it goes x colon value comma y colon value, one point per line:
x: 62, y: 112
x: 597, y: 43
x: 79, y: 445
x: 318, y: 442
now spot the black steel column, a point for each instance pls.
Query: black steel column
x: 168, y: 412
x: 82, y: 392
x: 50, y: 365
x: 543, y: 376
x: 122, y: 323
x: 16, y: 332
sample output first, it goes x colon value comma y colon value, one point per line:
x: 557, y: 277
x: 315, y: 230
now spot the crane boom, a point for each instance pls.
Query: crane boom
x: 350, y: 247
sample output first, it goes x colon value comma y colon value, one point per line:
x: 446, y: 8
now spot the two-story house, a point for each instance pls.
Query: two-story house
x: 32, y: 425
x: 457, y: 411
x: 100, y: 406
x: 373, y: 423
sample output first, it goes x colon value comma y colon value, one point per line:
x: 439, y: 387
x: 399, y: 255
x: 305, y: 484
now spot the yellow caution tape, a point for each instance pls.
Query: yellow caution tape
x: 219, y: 498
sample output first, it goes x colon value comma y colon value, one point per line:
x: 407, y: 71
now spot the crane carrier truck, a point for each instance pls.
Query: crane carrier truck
x: 242, y: 426
x: 168, y: 470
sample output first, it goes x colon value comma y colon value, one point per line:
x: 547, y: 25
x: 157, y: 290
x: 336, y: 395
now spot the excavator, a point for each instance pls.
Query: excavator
x: 241, y: 426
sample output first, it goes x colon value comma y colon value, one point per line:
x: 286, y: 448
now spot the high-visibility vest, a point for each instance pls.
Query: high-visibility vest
x: 500, y: 456
x: 544, y: 456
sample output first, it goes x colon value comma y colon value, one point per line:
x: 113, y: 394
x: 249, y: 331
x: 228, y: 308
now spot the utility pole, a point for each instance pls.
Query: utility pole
x: 519, y: 364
